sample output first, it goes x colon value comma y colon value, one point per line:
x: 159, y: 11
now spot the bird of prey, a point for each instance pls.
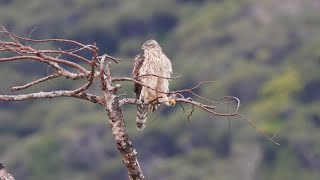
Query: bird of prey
x: 152, y: 69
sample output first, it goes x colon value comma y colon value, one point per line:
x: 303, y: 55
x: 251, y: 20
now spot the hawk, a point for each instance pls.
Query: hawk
x: 153, y: 69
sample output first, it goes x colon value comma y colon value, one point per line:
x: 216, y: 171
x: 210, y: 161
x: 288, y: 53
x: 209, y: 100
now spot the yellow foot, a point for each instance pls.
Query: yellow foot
x: 172, y: 102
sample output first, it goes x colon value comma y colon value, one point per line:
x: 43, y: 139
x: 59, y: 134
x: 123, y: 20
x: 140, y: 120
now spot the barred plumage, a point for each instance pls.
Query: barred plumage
x: 151, y: 61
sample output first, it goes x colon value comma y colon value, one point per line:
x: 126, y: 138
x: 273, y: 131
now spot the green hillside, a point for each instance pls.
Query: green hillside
x: 265, y: 52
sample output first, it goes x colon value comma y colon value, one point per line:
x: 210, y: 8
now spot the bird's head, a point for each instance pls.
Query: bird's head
x: 150, y: 44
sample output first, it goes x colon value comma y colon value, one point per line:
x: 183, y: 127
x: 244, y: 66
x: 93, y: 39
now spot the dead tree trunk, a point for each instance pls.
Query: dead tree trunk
x: 4, y: 174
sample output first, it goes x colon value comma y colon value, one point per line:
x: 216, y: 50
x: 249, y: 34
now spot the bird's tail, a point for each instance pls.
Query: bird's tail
x: 142, y: 114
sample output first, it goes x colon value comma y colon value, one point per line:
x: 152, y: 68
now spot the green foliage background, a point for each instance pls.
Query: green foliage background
x: 265, y: 52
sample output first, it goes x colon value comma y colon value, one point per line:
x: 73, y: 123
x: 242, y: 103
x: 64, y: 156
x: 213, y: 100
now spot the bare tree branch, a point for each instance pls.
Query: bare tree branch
x: 4, y: 174
x: 190, y: 113
x: 144, y: 75
x: 207, y: 108
x: 52, y: 94
x: 116, y: 60
x: 103, y: 83
x: 15, y: 38
x: 16, y: 88
x: 91, y: 75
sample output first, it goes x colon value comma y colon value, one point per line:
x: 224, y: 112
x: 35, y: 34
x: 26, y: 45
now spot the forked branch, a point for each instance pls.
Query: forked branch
x: 4, y: 174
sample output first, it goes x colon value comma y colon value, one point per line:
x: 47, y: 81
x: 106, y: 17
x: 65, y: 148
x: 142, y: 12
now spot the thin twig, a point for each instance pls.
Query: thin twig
x: 62, y: 61
x: 116, y: 60
x: 158, y: 76
x: 261, y: 131
x: 231, y: 97
x: 192, y: 88
x: 44, y: 40
x: 157, y: 115
x: 183, y: 110
x: 10, y: 34
x: 190, y: 113
x: 91, y: 76
x: 135, y: 81
x: 207, y: 108
x: 55, y: 65
x: 31, y: 34
x: 65, y: 53
x: 16, y: 88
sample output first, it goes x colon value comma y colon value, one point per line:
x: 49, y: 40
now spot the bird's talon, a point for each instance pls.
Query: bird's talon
x: 172, y: 102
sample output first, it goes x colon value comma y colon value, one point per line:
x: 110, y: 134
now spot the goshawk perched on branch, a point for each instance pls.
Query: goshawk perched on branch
x: 152, y: 68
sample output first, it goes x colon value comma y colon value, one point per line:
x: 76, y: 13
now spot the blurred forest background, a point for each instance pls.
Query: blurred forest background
x: 265, y: 52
